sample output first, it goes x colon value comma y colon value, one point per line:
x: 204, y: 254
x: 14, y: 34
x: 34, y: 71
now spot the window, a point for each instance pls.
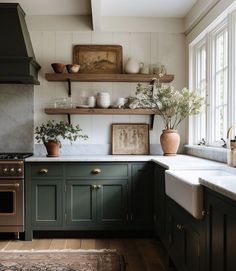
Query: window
x: 210, y: 74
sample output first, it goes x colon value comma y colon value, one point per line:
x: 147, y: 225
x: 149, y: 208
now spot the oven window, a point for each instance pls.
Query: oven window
x: 6, y: 202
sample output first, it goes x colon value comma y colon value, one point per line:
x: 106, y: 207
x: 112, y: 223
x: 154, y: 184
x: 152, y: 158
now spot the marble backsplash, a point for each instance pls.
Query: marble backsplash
x: 83, y: 149
x: 16, y: 118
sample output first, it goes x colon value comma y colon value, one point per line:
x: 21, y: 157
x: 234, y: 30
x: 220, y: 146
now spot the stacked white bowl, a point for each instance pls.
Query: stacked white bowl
x: 103, y: 99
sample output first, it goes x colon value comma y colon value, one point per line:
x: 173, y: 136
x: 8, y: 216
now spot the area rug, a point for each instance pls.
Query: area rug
x: 63, y: 260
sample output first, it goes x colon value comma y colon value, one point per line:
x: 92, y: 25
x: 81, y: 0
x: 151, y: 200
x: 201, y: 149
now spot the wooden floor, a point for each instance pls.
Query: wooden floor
x: 140, y: 254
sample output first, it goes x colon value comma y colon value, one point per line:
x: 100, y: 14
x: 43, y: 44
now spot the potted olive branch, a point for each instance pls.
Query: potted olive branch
x: 51, y: 132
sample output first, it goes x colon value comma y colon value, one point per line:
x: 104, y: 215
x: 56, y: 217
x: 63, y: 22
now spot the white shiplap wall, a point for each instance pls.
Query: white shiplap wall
x: 150, y: 48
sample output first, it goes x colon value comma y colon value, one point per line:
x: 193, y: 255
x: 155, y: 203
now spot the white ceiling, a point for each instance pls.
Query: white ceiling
x: 147, y: 8
x: 139, y: 8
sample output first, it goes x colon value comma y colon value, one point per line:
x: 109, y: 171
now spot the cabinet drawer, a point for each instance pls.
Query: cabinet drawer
x: 97, y: 170
x: 45, y: 170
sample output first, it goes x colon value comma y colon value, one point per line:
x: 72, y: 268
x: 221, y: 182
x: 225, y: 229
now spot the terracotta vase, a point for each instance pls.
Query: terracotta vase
x: 170, y: 140
x: 53, y: 148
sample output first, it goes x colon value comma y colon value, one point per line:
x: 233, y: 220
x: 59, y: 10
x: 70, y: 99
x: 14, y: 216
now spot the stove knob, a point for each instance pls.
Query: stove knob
x: 12, y: 170
x: 5, y: 170
x: 19, y: 170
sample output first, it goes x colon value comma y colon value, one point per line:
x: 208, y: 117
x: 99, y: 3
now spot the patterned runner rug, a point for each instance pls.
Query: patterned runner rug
x: 63, y: 260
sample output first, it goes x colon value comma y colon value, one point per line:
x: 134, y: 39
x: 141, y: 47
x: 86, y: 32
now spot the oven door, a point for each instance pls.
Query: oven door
x: 11, y: 206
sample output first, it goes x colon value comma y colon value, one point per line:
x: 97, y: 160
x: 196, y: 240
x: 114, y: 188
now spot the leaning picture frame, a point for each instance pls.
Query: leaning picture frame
x: 130, y: 138
x: 98, y: 58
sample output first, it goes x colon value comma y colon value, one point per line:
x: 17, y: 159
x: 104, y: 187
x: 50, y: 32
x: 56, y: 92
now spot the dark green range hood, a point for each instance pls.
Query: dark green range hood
x: 17, y: 61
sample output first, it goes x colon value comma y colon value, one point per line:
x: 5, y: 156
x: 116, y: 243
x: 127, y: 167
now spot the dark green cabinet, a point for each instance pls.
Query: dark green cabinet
x: 160, y: 204
x: 100, y: 203
x: 141, y: 189
x: 88, y: 196
x: 185, y: 238
x: 221, y: 232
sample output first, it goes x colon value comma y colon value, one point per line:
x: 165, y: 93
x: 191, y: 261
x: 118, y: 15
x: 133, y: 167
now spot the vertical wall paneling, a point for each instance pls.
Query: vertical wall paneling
x: 150, y: 48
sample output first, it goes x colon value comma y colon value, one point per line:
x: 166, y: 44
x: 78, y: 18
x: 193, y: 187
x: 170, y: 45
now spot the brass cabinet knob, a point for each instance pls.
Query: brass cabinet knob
x: 99, y: 186
x: 96, y: 171
x: 43, y: 171
x: 94, y: 186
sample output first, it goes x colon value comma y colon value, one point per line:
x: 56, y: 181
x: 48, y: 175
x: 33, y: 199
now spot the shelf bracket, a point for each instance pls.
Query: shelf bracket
x: 69, y: 87
x: 69, y: 119
x: 152, y: 117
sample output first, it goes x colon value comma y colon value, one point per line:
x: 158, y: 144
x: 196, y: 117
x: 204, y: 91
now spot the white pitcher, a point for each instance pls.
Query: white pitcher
x: 132, y: 66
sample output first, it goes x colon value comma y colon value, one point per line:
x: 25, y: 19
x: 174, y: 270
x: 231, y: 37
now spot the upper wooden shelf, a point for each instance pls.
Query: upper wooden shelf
x: 85, y: 77
x: 99, y: 111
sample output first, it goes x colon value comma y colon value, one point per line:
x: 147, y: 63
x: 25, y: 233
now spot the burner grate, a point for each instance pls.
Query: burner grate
x: 14, y: 156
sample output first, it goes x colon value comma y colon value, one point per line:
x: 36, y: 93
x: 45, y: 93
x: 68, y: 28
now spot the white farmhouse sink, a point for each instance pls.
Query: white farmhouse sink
x: 184, y: 188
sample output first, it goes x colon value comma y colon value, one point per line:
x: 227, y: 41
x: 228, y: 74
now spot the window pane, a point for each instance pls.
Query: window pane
x: 220, y: 74
x: 200, y: 120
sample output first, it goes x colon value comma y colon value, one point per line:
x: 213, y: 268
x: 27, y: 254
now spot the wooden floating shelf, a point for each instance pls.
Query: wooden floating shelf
x: 85, y: 77
x: 101, y: 111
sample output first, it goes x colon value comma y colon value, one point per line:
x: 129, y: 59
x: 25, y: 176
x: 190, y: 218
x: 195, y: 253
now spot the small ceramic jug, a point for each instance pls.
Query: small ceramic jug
x: 132, y: 66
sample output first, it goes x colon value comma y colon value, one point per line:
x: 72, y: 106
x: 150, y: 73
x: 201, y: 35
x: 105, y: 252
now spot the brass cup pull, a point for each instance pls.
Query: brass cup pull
x: 96, y: 171
x: 43, y: 171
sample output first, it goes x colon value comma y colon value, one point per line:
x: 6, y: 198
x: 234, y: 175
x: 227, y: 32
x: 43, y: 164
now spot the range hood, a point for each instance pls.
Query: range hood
x: 17, y: 60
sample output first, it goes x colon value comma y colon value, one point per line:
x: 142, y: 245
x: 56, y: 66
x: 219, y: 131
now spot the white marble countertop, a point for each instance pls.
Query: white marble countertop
x: 225, y: 185
x: 92, y: 158
x: 169, y: 162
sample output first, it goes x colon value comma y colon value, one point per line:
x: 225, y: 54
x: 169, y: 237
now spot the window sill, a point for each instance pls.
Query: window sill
x: 213, y: 153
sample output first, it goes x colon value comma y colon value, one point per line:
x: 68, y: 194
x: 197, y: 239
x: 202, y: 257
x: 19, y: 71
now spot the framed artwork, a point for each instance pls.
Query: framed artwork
x: 130, y: 138
x: 98, y: 58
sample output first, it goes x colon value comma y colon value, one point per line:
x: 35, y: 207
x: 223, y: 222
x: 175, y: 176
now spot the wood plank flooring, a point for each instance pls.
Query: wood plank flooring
x: 140, y: 254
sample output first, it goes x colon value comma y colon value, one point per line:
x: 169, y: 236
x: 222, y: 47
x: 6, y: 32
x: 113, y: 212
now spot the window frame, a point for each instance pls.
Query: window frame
x: 228, y: 23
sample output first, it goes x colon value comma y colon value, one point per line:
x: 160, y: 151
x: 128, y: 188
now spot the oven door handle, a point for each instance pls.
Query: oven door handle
x: 10, y: 184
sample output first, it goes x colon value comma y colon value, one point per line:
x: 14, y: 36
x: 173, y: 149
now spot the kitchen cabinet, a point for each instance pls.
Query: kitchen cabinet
x: 102, y: 203
x: 141, y: 189
x: 88, y: 196
x: 186, y: 238
x: 221, y: 232
x: 160, y: 204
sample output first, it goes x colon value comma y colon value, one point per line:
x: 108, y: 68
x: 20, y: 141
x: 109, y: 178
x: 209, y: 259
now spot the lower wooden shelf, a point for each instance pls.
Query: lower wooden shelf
x: 101, y: 111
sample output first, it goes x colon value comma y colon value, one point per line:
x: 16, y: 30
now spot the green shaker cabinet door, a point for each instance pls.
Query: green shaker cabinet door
x: 81, y: 203
x: 46, y: 203
x: 142, y: 195
x: 112, y: 202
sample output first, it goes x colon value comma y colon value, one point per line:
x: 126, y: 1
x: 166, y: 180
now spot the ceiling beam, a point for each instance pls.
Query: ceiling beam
x: 96, y: 14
